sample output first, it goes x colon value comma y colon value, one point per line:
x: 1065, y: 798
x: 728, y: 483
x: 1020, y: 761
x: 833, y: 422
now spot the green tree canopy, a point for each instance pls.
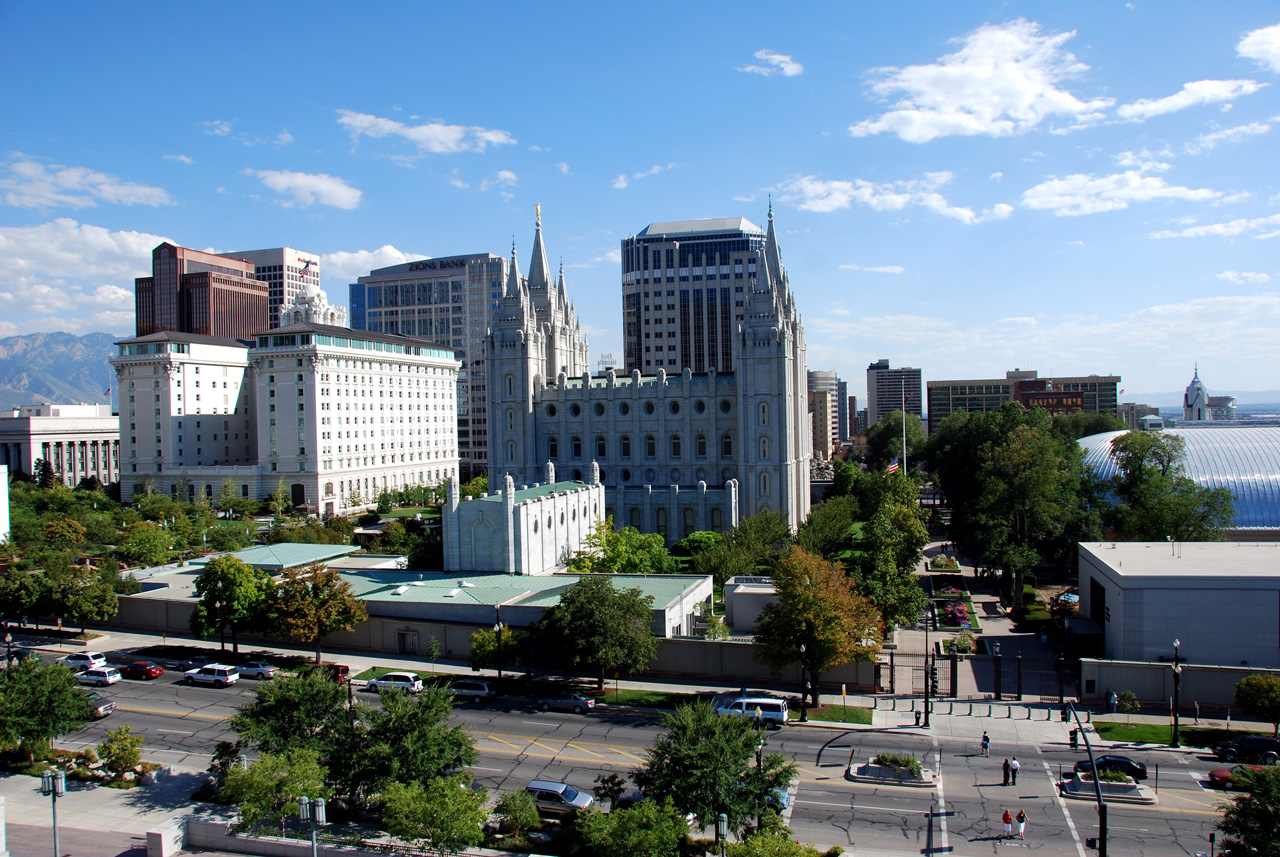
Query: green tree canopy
x: 648, y: 829
x: 288, y: 712
x: 891, y: 549
x: 815, y: 607
x: 884, y: 442
x: 1251, y: 821
x: 827, y: 530
x: 267, y: 793
x: 1259, y: 696
x: 608, y: 550
x: 696, y: 542
x: 442, y: 817
x: 486, y: 655
x: 233, y: 594
x: 704, y: 763
x: 312, y: 602
x: 38, y: 702
x: 601, y: 629
x: 1157, y: 501
x: 143, y: 543
x: 753, y: 542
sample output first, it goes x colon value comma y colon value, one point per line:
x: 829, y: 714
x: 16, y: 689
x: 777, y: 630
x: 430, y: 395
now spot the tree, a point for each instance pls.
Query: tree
x: 1259, y: 696
x: 753, y: 542
x: 477, y: 487
x: 278, y: 500
x: 233, y: 594
x: 610, y: 788
x: 892, y: 545
x: 485, y: 653
x: 1251, y: 821
x: 771, y: 844
x: 696, y: 542
x: 600, y: 628
x: 313, y: 602
x: 884, y: 442
x: 648, y: 829
x: 20, y: 591
x: 827, y: 530
x: 143, y: 543
x: 38, y: 702
x: 517, y: 811
x: 407, y: 739
x: 444, y: 817
x: 288, y: 713
x: 268, y: 791
x: 1157, y: 501
x: 607, y: 550
x: 79, y: 592
x: 817, y: 608
x: 704, y: 765
x: 62, y: 533
x: 1127, y: 701
x: 121, y: 750
x: 843, y: 478
x: 44, y: 473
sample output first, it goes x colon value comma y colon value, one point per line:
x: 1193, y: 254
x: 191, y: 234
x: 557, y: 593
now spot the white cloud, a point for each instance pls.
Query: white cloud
x: 777, y: 64
x: 810, y: 193
x: 217, y: 127
x: 31, y: 184
x: 563, y: 168
x: 1002, y: 81
x: 1262, y: 45
x: 622, y: 180
x: 1085, y: 193
x: 880, y: 269
x: 434, y: 138
x: 1192, y: 95
x: 64, y: 249
x: 284, y: 138
x: 1225, y: 230
x: 456, y: 179
x: 1241, y: 277
x: 995, y: 177
x: 182, y: 159
x: 612, y: 256
x: 308, y: 188
x: 1227, y: 135
x: 346, y: 265
x: 504, y: 178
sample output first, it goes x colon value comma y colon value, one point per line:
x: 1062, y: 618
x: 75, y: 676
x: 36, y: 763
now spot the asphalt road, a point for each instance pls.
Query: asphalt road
x: 517, y: 743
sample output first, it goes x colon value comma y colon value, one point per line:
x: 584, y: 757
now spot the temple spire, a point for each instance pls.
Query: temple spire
x: 513, y: 276
x: 772, y: 254
x: 539, y: 270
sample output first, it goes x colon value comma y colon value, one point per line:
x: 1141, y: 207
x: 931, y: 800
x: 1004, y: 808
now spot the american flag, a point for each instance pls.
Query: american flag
x: 893, y: 466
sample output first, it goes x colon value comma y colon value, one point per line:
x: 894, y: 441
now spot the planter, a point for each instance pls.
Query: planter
x: 885, y: 775
x: 1079, y: 788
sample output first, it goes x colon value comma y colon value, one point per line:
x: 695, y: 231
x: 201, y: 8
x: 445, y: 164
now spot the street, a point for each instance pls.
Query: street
x: 517, y: 743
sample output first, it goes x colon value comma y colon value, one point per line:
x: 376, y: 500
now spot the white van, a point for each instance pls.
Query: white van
x: 772, y: 711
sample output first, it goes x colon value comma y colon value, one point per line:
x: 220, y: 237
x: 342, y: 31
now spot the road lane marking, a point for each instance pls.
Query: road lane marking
x: 629, y: 755
x: 942, y: 803
x: 1062, y: 803
x: 508, y: 743
x: 480, y: 768
x: 584, y: 749
x: 175, y: 731
x: 172, y: 713
x: 534, y: 742
x: 862, y: 806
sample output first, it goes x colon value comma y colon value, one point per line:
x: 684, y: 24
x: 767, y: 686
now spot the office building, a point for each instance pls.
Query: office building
x: 288, y: 273
x: 190, y: 291
x: 1095, y: 394
x: 828, y: 383
x: 1133, y: 415
x: 843, y: 400
x: 822, y: 410
x: 685, y: 287
x: 333, y: 414
x: 677, y: 450
x: 890, y: 390
x: 854, y: 426
x: 450, y: 301
x: 79, y: 441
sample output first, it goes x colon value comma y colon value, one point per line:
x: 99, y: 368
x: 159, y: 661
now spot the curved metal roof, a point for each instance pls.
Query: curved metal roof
x: 1245, y: 461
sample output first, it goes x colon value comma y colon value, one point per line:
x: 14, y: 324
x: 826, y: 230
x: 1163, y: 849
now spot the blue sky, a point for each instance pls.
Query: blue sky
x: 962, y: 187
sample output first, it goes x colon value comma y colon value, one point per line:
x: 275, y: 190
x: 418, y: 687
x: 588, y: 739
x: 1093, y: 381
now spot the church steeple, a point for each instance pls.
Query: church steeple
x: 539, y: 270
x: 513, y: 276
x: 772, y: 253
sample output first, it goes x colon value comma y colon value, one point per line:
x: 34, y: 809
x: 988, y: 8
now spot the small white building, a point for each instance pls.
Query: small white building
x: 1219, y: 599
x: 534, y: 529
x: 78, y: 440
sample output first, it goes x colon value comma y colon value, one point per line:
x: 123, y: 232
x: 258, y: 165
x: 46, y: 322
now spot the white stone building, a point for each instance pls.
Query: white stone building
x: 677, y: 452
x: 77, y: 440
x: 334, y: 415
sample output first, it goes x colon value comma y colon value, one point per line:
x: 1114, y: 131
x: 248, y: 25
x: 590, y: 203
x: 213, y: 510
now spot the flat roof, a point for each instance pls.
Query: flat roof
x: 284, y: 555
x: 1209, y: 559
x: 533, y: 493
x: 699, y: 227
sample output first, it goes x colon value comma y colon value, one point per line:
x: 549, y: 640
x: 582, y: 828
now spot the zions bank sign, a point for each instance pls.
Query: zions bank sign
x: 437, y: 264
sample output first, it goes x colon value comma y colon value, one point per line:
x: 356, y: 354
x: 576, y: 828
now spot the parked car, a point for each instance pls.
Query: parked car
x: 773, y: 712
x: 195, y: 663
x: 575, y: 702
x: 1229, y: 778
x: 557, y: 799
x: 258, y: 669
x: 472, y: 689
x: 400, y: 681
x: 218, y: 675
x: 1248, y: 748
x: 1123, y: 764
x: 99, y: 676
x: 84, y: 660
x: 340, y: 673
x: 20, y: 655
x: 99, y: 704
x: 144, y: 670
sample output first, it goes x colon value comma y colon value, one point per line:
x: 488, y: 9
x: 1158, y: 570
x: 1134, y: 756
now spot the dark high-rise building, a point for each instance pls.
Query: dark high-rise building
x: 190, y: 291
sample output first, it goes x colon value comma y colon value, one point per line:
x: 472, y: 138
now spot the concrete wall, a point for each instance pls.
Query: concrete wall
x: 1153, y: 683
x: 206, y: 835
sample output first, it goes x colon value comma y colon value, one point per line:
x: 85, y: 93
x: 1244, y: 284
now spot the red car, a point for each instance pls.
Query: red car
x: 1228, y: 778
x: 144, y: 670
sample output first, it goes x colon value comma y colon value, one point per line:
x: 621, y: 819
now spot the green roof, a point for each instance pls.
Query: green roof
x: 279, y: 557
x: 495, y: 587
x: 547, y: 490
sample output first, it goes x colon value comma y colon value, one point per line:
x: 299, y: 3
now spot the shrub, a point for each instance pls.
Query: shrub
x: 963, y: 643
x: 940, y: 561
x: 900, y: 761
x: 368, y: 519
x: 518, y: 811
x: 122, y: 750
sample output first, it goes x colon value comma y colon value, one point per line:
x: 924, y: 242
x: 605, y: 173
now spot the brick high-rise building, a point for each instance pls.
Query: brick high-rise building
x: 190, y: 291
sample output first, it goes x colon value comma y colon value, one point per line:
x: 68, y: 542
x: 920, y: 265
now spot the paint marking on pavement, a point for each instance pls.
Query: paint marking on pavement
x: 175, y: 731
x: 628, y: 755
x: 862, y: 806
x: 534, y: 742
x: 1062, y: 803
x: 479, y: 768
x: 501, y: 741
x: 942, y: 802
x: 172, y: 713
x: 583, y: 749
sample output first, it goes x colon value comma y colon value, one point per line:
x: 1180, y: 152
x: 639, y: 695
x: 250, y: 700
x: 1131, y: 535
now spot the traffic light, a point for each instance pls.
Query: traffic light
x: 933, y: 679
x: 1065, y: 715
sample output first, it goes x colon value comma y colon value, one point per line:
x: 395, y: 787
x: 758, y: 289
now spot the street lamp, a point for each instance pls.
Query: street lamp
x: 497, y: 629
x: 722, y: 831
x: 928, y: 674
x: 54, y: 784
x: 804, y: 690
x: 312, y: 810
x: 8, y: 647
x: 1177, y: 692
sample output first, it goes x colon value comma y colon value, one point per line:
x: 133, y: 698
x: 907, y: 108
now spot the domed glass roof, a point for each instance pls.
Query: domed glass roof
x: 1245, y: 461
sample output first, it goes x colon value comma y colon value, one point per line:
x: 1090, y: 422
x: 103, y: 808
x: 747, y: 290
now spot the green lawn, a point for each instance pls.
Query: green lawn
x: 409, y: 512
x: 183, y: 653
x: 1161, y: 733
x: 643, y: 698
x: 839, y: 714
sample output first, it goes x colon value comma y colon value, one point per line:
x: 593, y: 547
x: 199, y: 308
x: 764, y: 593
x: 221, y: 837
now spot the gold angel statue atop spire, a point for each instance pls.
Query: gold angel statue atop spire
x: 537, y: 212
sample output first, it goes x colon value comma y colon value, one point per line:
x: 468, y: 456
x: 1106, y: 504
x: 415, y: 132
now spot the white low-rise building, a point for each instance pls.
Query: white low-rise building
x: 77, y: 440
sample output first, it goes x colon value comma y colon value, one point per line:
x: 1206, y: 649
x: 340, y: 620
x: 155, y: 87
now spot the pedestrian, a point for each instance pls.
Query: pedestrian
x: 1113, y: 702
x: 1007, y: 818
x: 1022, y: 824
x: 1007, y: 771
x: 986, y: 744
x: 1014, y: 766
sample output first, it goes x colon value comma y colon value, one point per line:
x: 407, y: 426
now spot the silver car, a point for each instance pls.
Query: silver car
x: 218, y: 675
x: 557, y: 799
x: 258, y: 669
x: 397, y: 680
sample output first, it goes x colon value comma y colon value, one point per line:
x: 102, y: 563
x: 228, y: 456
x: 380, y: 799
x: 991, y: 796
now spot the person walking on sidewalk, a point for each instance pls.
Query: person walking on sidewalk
x: 1014, y: 767
x: 1007, y: 818
x: 986, y: 744
x: 1022, y: 824
x: 1007, y: 771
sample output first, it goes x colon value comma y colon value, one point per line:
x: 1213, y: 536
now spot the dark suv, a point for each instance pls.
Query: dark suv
x: 1248, y: 748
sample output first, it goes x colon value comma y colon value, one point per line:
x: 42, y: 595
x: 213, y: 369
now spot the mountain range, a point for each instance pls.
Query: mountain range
x: 56, y: 367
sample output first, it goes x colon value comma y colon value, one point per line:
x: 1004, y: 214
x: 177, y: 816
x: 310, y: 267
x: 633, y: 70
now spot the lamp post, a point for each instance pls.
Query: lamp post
x: 54, y: 784
x: 928, y: 673
x: 722, y: 831
x: 497, y: 630
x: 312, y: 810
x: 804, y: 690
x: 1177, y: 692
x: 8, y: 647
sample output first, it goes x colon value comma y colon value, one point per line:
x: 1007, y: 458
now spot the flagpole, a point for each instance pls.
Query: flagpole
x: 904, y: 424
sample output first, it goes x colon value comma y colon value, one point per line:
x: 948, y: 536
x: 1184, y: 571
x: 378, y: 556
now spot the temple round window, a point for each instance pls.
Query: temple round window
x: 551, y: 410
x: 626, y: 475
x: 700, y: 406
x: 675, y: 407
x: 575, y: 410
x: 725, y: 406
x: 648, y: 408
x: 599, y: 409
x: 624, y: 408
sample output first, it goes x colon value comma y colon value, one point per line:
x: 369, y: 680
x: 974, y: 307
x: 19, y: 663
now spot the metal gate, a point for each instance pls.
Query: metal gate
x: 911, y: 669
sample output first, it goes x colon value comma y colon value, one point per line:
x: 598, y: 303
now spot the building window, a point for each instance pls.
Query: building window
x: 553, y: 448
x: 511, y: 420
x: 650, y: 447
x: 726, y: 446
x: 700, y: 446
x: 600, y: 447
x: 576, y: 444
x: 688, y: 521
x: 764, y: 484
x: 764, y: 413
x: 625, y: 446
x: 675, y: 446
x: 511, y: 385
x: 764, y: 447
x: 636, y: 520
x: 717, y: 519
x: 511, y: 451
x: 660, y: 522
